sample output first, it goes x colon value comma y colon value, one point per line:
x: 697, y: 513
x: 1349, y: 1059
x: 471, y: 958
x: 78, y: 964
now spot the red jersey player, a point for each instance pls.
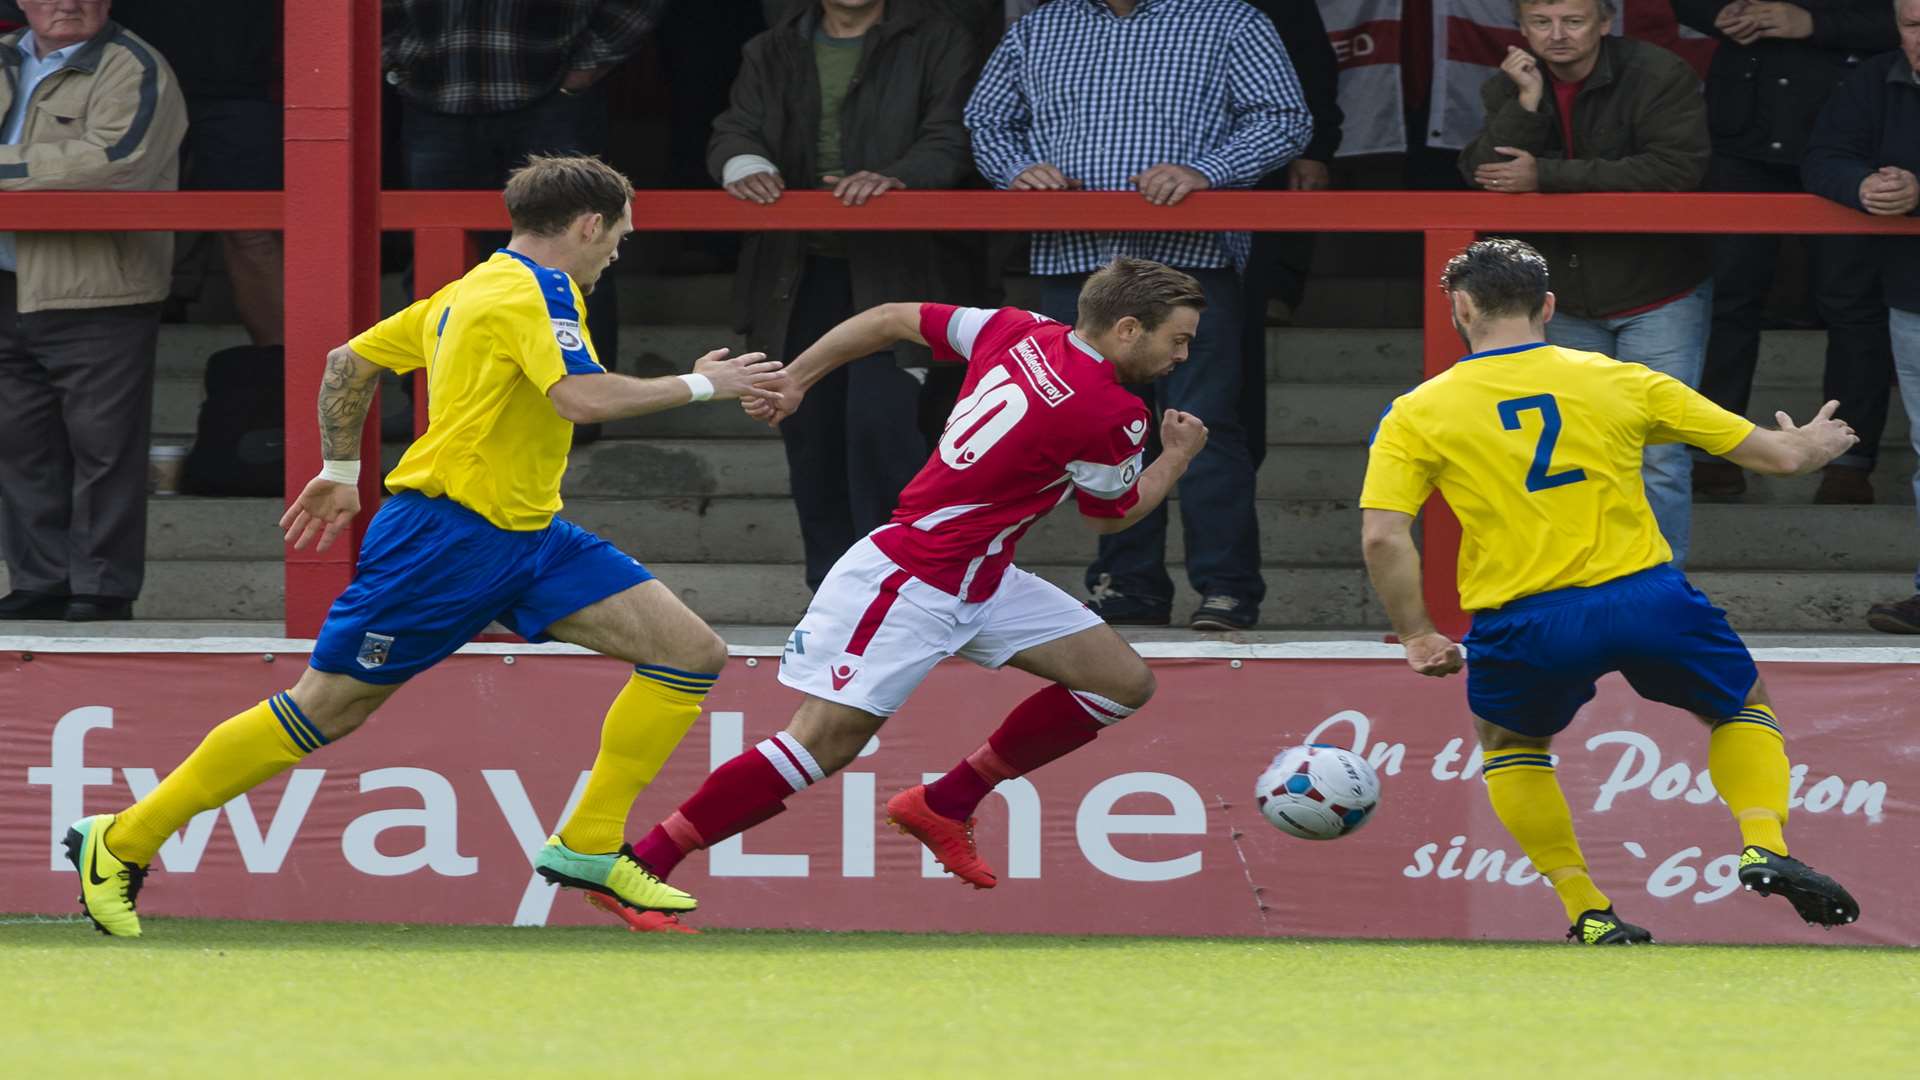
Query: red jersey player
x: 1042, y: 418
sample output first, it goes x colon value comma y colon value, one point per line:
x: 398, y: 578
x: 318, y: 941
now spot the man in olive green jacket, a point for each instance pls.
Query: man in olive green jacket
x: 1580, y: 111
x: 86, y: 106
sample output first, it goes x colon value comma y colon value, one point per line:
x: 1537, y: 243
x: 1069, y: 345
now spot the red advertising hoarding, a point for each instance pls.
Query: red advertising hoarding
x: 432, y: 811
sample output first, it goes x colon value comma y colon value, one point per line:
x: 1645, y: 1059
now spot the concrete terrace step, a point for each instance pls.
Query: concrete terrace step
x: 1869, y: 539
x: 1297, y: 597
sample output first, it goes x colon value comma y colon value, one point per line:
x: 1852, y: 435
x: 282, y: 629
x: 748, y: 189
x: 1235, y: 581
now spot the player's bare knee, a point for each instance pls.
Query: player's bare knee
x: 1494, y: 737
x: 1136, y: 686
x: 706, y: 655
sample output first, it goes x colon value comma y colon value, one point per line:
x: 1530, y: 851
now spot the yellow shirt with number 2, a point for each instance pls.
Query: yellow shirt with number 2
x: 1538, y: 451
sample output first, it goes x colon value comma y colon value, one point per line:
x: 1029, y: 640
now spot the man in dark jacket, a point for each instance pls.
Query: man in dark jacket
x: 859, y: 97
x: 1278, y: 264
x: 1775, y: 66
x: 1865, y: 153
x: 1580, y: 111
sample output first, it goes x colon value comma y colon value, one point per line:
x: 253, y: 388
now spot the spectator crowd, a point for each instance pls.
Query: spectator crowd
x: 863, y: 97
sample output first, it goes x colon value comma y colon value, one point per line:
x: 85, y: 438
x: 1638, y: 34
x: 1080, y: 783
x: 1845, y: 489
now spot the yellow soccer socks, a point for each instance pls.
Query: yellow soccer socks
x: 1747, y: 758
x: 1526, y: 795
x: 234, y: 757
x: 644, y: 724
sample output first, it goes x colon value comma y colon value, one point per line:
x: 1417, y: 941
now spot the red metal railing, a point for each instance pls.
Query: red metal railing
x: 333, y: 210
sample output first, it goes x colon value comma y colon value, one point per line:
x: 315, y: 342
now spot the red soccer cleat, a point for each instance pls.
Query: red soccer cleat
x: 640, y: 922
x: 950, y: 841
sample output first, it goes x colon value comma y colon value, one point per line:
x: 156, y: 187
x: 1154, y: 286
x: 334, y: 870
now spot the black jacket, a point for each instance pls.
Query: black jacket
x: 1638, y: 125
x: 901, y: 117
x: 1762, y: 98
x: 1304, y: 33
x: 1872, y: 120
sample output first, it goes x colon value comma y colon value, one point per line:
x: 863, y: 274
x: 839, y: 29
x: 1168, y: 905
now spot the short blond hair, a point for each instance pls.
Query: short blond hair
x: 1146, y: 290
x: 546, y: 194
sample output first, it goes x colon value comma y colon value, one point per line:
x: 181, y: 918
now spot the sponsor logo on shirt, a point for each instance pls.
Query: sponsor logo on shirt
x: 567, y: 333
x: 1137, y: 431
x: 1040, y: 375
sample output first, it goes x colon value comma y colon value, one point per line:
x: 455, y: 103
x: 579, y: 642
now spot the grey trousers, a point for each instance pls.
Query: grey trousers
x: 76, y: 410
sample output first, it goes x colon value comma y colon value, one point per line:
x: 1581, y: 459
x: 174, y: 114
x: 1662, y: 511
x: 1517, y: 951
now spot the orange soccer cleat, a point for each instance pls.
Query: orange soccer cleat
x: 950, y: 841
x: 640, y: 922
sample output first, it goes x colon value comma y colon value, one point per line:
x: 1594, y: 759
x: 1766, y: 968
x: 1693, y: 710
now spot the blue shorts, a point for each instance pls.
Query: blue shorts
x: 1534, y: 662
x: 434, y: 573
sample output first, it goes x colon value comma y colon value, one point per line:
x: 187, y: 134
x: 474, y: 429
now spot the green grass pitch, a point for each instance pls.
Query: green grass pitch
x: 354, y: 1002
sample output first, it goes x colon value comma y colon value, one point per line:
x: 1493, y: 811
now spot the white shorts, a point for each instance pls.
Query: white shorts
x: 873, y: 630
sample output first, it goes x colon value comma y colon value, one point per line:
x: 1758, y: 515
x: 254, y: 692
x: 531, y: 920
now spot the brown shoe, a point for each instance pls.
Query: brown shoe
x: 1717, y: 478
x: 1902, y: 617
x: 1844, y: 485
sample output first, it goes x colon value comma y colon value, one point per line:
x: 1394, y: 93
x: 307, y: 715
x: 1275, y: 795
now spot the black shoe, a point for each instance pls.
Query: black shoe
x: 21, y: 604
x: 99, y: 609
x: 1606, y: 928
x: 1716, y: 478
x: 1224, y: 613
x: 1900, y: 617
x: 1844, y: 485
x: 1115, y: 608
x: 1818, y: 898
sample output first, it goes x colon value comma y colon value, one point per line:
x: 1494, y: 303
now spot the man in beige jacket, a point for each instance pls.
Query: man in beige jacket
x: 86, y: 106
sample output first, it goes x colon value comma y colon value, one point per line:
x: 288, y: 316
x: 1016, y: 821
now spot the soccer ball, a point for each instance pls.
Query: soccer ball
x: 1318, y: 792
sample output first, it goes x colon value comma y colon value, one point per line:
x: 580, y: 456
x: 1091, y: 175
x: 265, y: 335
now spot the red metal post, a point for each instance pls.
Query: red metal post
x: 332, y: 237
x: 1440, y: 531
x: 440, y: 255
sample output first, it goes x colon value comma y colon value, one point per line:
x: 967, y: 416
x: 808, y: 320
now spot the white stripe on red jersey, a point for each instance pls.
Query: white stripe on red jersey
x: 1040, y: 410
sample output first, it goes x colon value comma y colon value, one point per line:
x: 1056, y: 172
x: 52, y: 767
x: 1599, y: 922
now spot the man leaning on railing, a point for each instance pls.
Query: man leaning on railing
x: 1578, y: 110
x: 87, y: 106
x: 1865, y: 153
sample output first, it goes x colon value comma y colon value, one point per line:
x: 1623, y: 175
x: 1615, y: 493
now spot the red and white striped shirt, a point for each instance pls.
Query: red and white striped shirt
x: 1041, y: 416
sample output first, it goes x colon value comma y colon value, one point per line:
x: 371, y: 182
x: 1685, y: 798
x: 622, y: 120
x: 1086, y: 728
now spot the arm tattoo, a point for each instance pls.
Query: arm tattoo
x: 344, y: 399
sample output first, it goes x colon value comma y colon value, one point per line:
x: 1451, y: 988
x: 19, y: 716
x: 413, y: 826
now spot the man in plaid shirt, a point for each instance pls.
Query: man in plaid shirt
x: 485, y: 83
x: 1164, y: 97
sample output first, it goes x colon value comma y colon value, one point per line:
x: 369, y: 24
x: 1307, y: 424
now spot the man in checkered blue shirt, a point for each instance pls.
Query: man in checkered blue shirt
x: 1164, y: 97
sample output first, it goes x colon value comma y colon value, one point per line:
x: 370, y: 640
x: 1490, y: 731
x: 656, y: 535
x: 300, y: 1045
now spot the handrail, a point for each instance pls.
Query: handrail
x: 443, y: 220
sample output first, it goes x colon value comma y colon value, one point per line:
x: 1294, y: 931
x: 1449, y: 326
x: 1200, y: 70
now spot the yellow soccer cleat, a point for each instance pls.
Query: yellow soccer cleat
x: 108, y: 887
x: 615, y: 875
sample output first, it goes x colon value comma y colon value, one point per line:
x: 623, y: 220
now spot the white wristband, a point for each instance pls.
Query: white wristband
x: 700, y: 385
x: 340, y: 472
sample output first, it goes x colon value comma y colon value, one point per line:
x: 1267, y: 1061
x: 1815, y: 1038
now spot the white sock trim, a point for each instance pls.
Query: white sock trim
x: 815, y: 773
x: 1105, y: 710
x: 781, y: 763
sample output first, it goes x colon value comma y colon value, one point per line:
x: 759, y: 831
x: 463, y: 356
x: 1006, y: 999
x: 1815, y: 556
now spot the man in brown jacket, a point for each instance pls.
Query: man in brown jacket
x: 1580, y: 111
x: 87, y: 105
x: 859, y: 97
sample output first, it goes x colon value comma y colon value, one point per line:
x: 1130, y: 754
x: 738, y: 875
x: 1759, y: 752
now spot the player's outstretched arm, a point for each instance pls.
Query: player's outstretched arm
x: 1182, y: 437
x: 330, y: 500
x: 1393, y: 563
x: 869, y: 332
x: 603, y: 396
x: 1794, y: 450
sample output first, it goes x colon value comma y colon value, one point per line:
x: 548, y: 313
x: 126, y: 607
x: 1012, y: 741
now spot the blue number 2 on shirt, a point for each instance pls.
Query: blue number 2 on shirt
x: 1538, y: 478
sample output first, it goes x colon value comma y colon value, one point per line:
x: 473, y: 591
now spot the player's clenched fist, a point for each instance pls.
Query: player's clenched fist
x: 1182, y: 433
x: 1433, y: 654
x: 740, y: 376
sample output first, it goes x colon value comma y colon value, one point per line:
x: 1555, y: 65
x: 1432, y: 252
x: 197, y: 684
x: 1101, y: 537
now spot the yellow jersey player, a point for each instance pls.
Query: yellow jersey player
x: 469, y: 537
x: 1538, y: 451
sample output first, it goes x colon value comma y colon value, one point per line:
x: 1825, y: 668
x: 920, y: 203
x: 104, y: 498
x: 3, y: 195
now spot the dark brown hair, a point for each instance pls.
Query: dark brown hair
x: 547, y: 193
x: 1146, y: 290
x: 1503, y: 276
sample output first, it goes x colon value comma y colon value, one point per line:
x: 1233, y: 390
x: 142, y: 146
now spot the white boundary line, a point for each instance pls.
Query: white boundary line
x: 1167, y: 650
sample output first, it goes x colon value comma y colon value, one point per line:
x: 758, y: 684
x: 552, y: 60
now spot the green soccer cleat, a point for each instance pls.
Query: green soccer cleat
x: 1818, y: 898
x: 108, y: 887
x: 1606, y: 928
x: 615, y: 875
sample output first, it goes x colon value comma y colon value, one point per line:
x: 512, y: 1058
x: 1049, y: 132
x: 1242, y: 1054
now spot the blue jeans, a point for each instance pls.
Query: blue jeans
x: 1673, y: 341
x: 1905, y: 328
x: 1216, y: 494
